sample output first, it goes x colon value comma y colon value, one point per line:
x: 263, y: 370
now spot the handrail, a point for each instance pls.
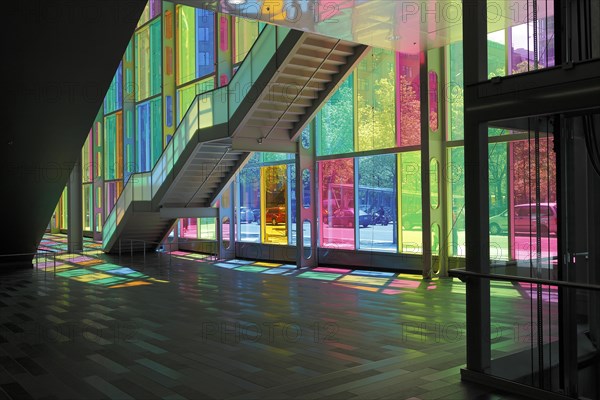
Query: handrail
x: 27, y: 254
x: 189, y: 125
x: 461, y: 273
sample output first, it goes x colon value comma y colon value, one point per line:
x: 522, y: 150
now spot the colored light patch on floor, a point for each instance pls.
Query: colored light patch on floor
x: 410, y: 277
x: 94, y: 245
x: 276, y: 271
x: 106, y: 267
x: 73, y: 273
x: 179, y: 253
x: 130, y: 284
x: 324, y: 276
x: 404, y: 284
x: 365, y: 280
x: 50, y: 265
x: 122, y: 271
x: 110, y: 281
x: 288, y: 266
x: 267, y: 264
x: 67, y: 256
x: 240, y: 262
x: 92, y: 262
x: 332, y: 270
x: 392, y: 291
x: 64, y: 267
x: 226, y: 265
x: 94, y: 252
x: 250, y: 268
x: 358, y: 287
x: 198, y: 256
x: 91, y: 277
x: 79, y: 259
x: 373, y: 273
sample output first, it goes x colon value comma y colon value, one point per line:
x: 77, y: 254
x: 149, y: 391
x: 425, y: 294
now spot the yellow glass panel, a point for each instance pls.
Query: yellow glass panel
x: 274, y: 204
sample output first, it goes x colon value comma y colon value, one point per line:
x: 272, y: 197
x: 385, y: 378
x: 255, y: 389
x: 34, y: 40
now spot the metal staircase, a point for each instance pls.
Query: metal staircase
x: 278, y: 88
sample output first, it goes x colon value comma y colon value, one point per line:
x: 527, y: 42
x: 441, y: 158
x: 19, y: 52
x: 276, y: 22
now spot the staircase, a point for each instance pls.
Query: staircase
x: 279, y: 87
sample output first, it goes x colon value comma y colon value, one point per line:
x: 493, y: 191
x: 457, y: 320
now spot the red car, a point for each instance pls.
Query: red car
x: 276, y: 215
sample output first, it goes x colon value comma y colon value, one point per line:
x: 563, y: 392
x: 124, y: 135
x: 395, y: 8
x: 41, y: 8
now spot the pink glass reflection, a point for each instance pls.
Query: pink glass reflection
x: 337, y: 218
x: 408, y: 108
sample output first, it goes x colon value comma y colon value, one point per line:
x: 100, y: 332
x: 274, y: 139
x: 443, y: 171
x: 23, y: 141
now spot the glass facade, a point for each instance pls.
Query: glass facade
x: 367, y: 178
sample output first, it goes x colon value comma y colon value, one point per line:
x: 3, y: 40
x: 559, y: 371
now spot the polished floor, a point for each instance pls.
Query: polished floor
x: 184, y: 326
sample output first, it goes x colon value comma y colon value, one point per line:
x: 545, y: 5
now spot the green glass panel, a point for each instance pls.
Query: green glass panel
x: 274, y: 157
x: 498, y: 200
x: 88, y: 207
x: 142, y: 64
x: 376, y: 122
x: 456, y: 87
x: 496, y: 46
x: 156, y: 129
x: 110, y: 146
x: 409, y: 184
x: 208, y: 228
x: 186, y: 44
x: 186, y: 95
x: 246, y: 32
x: 455, y: 179
x: 496, y: 64
x: 336, y: 122
x: 155, y: 57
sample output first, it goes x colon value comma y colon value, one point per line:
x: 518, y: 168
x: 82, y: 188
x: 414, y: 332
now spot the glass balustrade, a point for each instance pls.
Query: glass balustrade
x: 207, y: 110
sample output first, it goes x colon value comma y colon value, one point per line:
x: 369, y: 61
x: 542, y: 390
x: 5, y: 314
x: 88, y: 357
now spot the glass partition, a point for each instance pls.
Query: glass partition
x: 337, y: 220
x: 208, y: 109
x: 411, y: 214
x: 249, y: 203
x: 377, y: 203
x: 274, y: 204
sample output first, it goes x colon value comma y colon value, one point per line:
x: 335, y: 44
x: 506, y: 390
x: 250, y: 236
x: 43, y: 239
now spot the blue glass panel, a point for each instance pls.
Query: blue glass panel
x: 205, y: 42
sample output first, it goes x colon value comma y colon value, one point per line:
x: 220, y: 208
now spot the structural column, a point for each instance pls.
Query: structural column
x: 425, y: 189
x: 476, y: 188
x: 75, y: 215
x: 226, y: 225
x: 306, y: 200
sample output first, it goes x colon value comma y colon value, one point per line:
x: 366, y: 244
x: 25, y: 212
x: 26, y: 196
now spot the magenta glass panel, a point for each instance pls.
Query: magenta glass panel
x: 155, y: 8
x: 433, y: 101
x: 408, y: 108
x: 111, y: 196
x: 188, y: 228
x: 337, y: 221
x: 523, y: 212
x: 223, y: 34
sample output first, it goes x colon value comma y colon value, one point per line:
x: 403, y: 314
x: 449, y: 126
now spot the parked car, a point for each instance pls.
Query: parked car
x: 499, y: 223
x: 525, y: 220
x: 276, y: 215
x: 256, y: 213
x: 345, y: 217
x: 246, y: 215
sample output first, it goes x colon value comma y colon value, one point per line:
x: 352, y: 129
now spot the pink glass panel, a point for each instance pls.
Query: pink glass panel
x: 337, y: 220
x: 408, y: 106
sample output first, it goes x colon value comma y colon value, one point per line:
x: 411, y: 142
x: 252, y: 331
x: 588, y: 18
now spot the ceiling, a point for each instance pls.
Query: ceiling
x: 402, y: 25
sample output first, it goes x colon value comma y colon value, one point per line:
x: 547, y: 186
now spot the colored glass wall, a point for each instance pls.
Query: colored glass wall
x: 274, y: 206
